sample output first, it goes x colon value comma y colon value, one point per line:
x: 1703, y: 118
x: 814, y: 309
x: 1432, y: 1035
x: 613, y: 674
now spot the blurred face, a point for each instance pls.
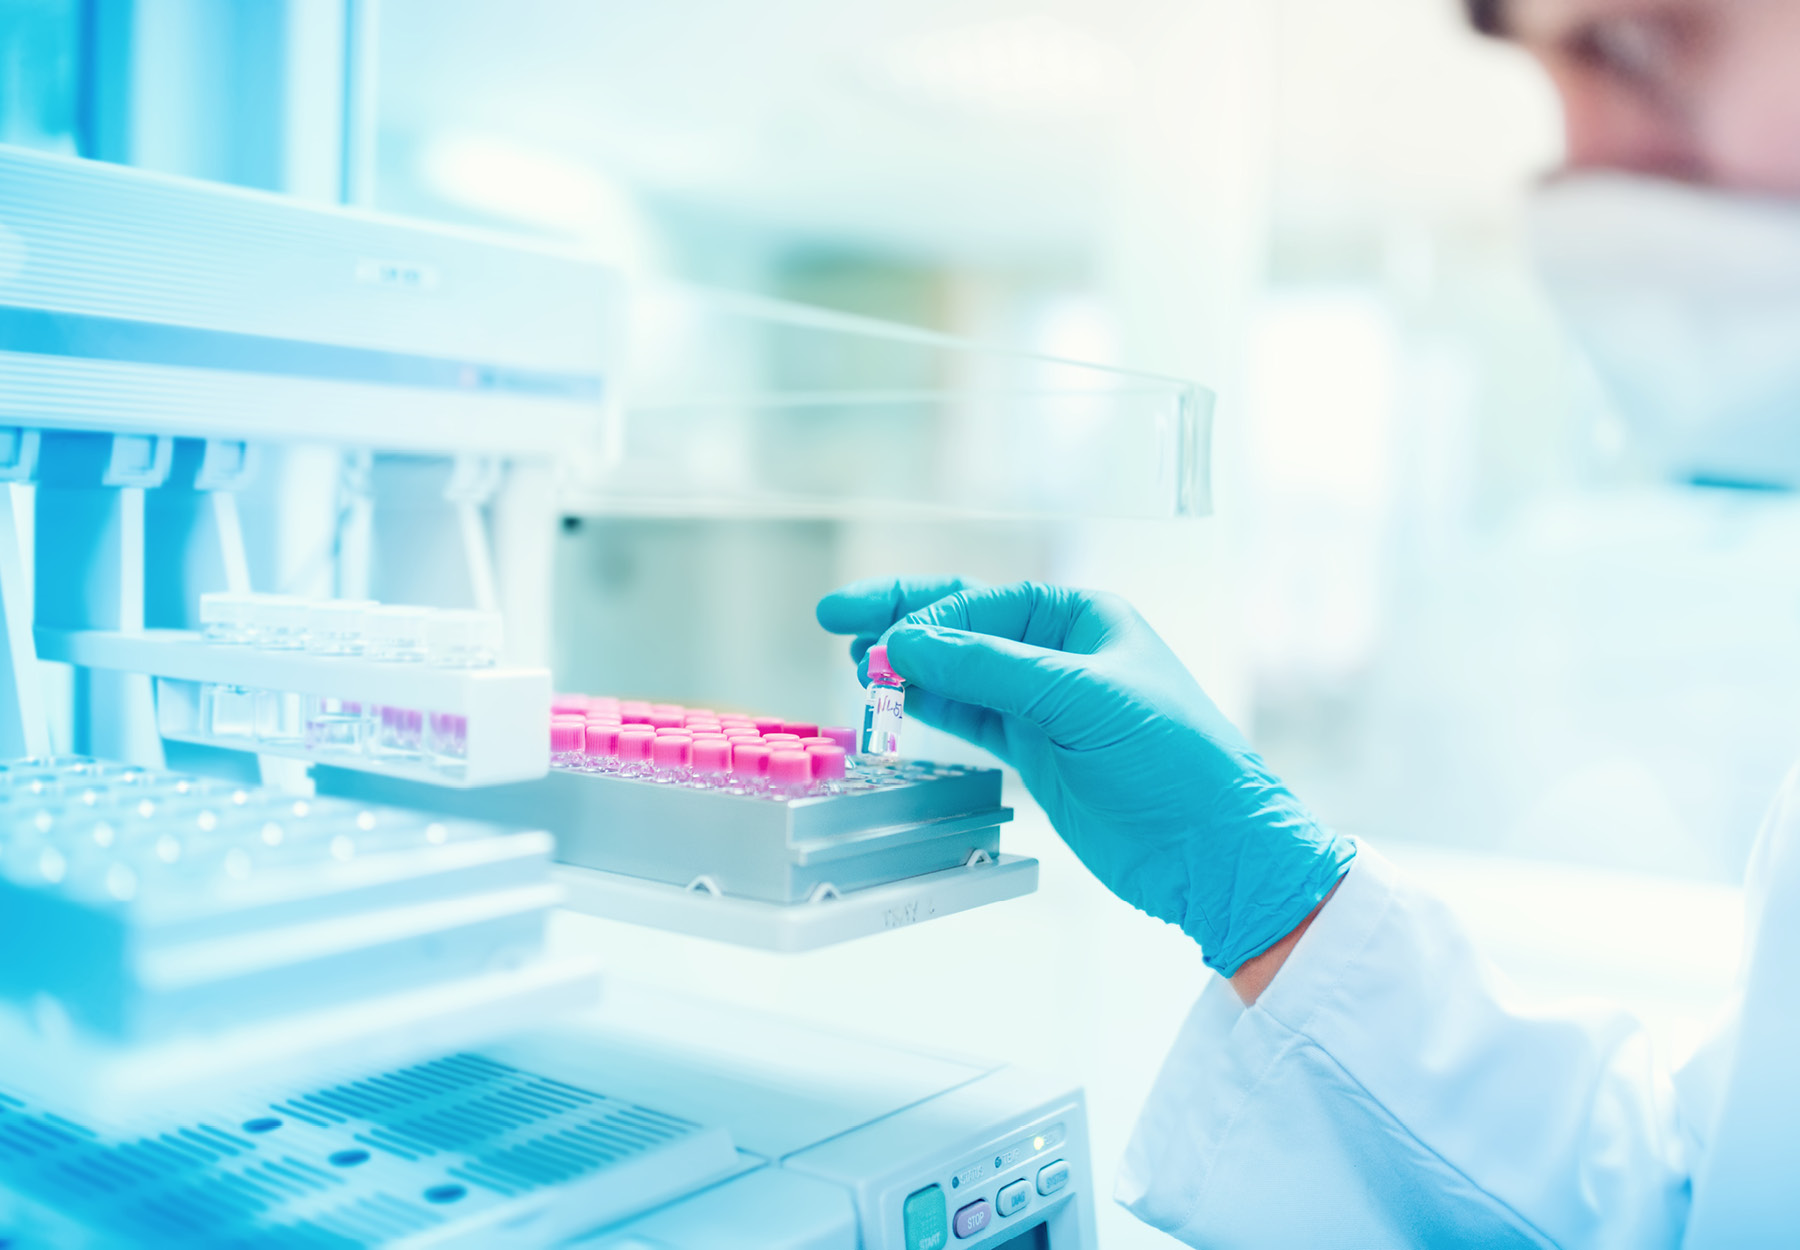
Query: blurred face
x: 1706, y: 91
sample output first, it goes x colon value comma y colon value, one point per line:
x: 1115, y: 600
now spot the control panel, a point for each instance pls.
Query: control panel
x: 1019, y: 1184
x: 994, y: 1192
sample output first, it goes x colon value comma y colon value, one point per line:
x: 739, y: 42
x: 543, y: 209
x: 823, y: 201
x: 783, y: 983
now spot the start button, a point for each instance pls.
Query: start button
x: 926, y: 1220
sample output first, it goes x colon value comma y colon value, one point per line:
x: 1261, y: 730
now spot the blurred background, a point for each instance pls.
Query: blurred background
x: 1437, y: 591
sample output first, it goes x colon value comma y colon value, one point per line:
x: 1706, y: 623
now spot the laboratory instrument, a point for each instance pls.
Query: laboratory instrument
x: 275, y: 936
x: 649, y: 1120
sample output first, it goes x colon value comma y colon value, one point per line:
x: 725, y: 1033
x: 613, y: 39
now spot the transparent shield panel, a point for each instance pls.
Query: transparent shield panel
x: 740, y: 405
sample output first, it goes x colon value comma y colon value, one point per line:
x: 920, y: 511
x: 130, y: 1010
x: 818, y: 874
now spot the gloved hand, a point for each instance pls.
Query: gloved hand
x: 1143, y: 777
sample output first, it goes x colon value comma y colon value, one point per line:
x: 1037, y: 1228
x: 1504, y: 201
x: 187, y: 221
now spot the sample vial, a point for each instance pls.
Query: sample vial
x: 634, y: 750
x: 457, y: 638
x: 225, y: 617
x: 712, y: 760
x: 671, y: 756
x: 227, y: 711
x: 886, y: 708
x: 465, y: 638
x: 568, y: 740
x: 335, y: 723
x: 602, y: 749
x: 396, y: 635
x: 279, y: 623
x: 827, y: 764
x: 790, y: 772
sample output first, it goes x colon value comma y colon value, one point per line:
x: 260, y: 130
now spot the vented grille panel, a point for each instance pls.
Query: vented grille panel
x: 367, y: 1162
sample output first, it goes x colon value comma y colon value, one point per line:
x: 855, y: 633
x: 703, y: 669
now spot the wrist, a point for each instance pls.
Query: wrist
x: 1256, y: 973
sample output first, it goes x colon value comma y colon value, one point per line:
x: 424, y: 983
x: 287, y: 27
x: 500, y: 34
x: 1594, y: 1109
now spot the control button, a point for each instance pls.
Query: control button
x: 973, y: 1218
x: 1052, y: 1177
x: 927, y: 1224
x: 1012, y: 1198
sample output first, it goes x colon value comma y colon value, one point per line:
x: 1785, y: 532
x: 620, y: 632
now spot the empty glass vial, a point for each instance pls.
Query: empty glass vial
x: 227, y: 711
x: 396, y: 635
x: 457, y: 638
x: 336, y: 723
x: 886, y: 708
x: 279, y: 623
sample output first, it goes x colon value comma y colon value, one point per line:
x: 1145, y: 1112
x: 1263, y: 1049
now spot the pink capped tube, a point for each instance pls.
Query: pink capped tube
x: 704, y: 713
x: 712, y: 756
x: 671, y: 753
x: 634, y: 712
x: 750, y: 761
x: 827, y: 762
x: 842, y: 735
x: 634, y: 744
x: 710, y: 735
x: 790, y: 769
x: 663, y: 731
x: 672, y: 708
x: 781, y: 737
x: 567, y: 737
x: 602, y: 740
x: 817, y: 741
x: 767, y: 724
x: 800, y: 728
x: 664, y: 720
x: 576, y: 703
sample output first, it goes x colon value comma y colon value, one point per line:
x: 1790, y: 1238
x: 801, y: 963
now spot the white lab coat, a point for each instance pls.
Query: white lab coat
x: 1391, y: 1089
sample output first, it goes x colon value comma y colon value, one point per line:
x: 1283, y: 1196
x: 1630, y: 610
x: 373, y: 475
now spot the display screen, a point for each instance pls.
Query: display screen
x: 1035, y: 1238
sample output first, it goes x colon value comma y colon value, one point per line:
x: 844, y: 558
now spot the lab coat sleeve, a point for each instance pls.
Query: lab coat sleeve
x: 1390, y: 1089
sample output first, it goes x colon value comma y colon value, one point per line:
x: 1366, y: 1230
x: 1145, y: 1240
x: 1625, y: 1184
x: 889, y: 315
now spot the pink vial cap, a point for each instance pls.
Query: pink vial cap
x: 664, y: 731
x: 635, y: 707
x: 712, y: 755
x: 664, y: 720
x: 750, y: 760
x: 634, y: 744
x: 767, y: 724
x: 567, y: 736
x: 671, y: 752
x: 602, y: 741
x: 790, y: 768
x: 772, y: 739
x: 841, y: 735
x: 878, y: 662
x: 710, y: 735
x: 804, y: 728
x: 569, y: 703
x: 827, y: 762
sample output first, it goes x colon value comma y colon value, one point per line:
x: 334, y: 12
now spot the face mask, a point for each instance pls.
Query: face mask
x: 1688, y: 303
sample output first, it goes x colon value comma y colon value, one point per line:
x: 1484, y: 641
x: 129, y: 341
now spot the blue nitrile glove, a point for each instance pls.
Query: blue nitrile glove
x: 1143, y: 777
